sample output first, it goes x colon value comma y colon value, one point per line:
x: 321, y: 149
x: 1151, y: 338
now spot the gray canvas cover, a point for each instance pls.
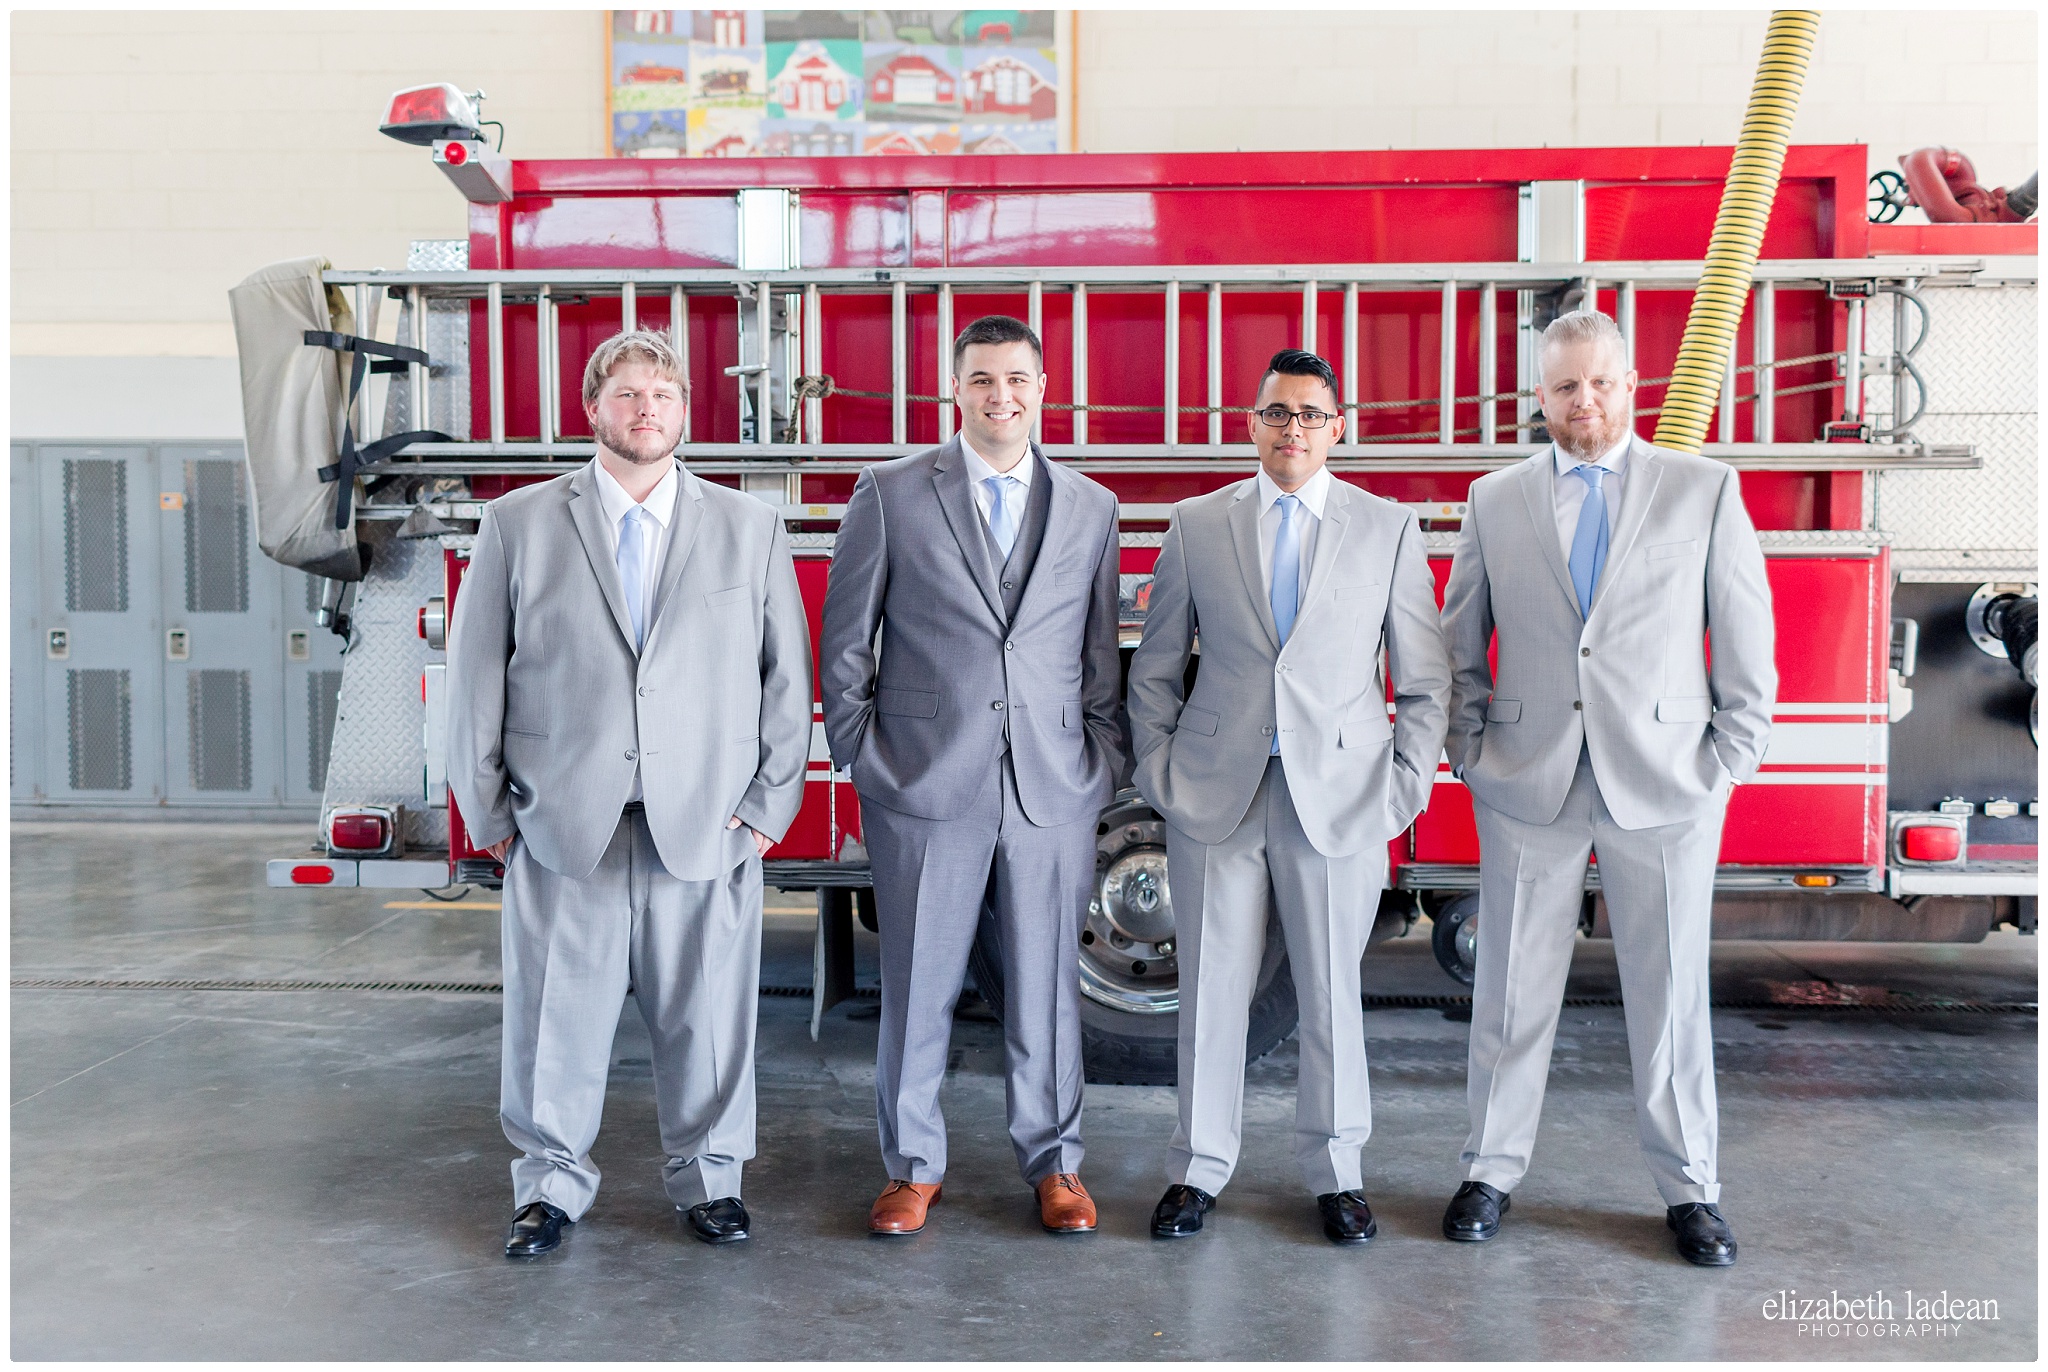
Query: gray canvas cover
x: 292, y: 413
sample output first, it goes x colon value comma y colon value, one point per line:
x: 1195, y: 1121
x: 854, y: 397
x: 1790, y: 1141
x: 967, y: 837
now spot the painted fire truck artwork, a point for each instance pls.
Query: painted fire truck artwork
x: 903, y: 82
x: 1881, y: 418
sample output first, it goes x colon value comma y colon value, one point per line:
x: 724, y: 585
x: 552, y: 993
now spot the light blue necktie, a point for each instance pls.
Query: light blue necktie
x: 633, y: 569
x: 1285, y: 592
x: 1002, y: 517
x: 1589, y: 540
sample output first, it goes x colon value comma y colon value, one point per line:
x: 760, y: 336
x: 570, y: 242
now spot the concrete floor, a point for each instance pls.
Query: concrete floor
x: 321, y: 1175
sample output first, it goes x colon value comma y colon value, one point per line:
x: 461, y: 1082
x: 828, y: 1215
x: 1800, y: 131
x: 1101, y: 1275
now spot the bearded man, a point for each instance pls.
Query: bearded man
x: 630, y: 714
x: 1605, y: 566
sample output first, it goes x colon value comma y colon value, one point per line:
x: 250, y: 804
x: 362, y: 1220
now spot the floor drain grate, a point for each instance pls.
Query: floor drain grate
x: 1887, y: 1004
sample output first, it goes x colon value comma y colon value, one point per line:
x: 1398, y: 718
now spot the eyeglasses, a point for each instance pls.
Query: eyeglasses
x: 1278, y: 417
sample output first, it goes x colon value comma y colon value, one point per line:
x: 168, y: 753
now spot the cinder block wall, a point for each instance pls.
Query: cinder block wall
x: 1206, y: 81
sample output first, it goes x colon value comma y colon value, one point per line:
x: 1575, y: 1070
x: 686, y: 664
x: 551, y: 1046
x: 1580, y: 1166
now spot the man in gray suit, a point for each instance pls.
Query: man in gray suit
x: 1602, y: 564
x: 1281, y: 778
x: 630, y: 714
x: 983, y: 743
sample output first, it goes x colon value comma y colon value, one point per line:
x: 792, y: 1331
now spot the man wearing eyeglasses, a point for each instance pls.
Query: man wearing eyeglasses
x: 1281, y: 777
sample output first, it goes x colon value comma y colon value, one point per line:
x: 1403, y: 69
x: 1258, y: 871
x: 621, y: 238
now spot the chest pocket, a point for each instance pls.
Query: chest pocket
x: 731, y: 595
x: 1660, y: 552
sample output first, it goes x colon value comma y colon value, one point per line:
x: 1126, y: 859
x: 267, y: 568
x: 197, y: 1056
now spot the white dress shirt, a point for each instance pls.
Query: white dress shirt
x: 979, y: 471
x: 1572, y: 490
x: 661, y: 504
x: 1313, y: 495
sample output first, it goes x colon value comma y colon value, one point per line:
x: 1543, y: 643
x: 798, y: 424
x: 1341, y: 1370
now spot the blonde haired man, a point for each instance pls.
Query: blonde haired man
x: 630, y: 706
x: 1599, y: 569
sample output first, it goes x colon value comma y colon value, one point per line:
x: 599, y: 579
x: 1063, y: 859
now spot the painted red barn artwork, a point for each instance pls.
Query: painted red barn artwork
x: 1005, y: 86
x: 911, y: 78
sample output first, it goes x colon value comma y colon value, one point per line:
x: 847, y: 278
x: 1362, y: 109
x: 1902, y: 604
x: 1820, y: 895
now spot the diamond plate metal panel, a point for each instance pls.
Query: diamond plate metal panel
x: 1980, y: 360
x: 378, y: 755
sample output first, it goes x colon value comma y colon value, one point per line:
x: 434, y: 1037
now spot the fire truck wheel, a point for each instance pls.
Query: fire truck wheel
x: 1129, y: 970
x: 1454, y: 935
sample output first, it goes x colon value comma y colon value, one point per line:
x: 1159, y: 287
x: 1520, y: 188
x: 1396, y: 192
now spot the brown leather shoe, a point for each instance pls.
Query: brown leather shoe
x: 1064, y: 1205
x: 901, y: 1207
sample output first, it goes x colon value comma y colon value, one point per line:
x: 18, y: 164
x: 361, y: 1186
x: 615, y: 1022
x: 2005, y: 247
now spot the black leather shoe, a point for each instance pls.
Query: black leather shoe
x: 1179, y: 1212
x: 1347, y: 1219
x: 535, y: 1230
x: 1473, y: 1215
x: 1704, y: 1239
x: 719, y: 1221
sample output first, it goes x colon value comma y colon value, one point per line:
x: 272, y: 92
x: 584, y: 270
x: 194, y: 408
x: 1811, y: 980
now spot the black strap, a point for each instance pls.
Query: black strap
x: 354, y: 459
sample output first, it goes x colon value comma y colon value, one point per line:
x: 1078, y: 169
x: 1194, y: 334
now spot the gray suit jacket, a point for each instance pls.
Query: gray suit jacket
x: 922, y: 729
x: 549, y: 706
x: 1354, y: 778
x: 1664, y: 729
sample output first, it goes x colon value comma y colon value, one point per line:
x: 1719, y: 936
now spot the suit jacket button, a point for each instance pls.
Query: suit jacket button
x: 1009, y: 585
x: 643, y: 690
x: 1577, y: 706
x: 630, y: 755
x: 1009, y: 647
x: 1265, y: 728
x: 995, y: 705
x: 1585, y: 652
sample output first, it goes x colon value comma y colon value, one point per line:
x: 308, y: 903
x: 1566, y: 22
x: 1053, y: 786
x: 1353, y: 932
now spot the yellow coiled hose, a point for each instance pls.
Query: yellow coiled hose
x: 1738, y: 233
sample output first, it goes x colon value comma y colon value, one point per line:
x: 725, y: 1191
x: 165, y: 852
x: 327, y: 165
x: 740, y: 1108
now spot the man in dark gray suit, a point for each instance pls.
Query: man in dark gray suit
x: 983, y: 743
x: 629, y: 718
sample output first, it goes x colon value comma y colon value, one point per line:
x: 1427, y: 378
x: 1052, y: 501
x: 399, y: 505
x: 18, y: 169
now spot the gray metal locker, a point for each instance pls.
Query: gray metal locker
x: 25, y: 679
x: 100, y: 631
x: 223, y: 649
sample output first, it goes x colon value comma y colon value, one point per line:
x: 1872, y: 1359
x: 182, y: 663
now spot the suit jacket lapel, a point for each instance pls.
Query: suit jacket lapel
x: 1329, y: 538
x: 1639, y: 489
x: 1539, y: 490
x: 949, y: 479
x: 588, y: 512
x: 1244, y: 536
x: 682, y: 538
x: 1059, y: 518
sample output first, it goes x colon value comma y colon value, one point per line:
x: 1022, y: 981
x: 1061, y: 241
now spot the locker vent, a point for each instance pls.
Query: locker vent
x: 96, y: 536
x: 101, y: 756
x: 216, y: 537
x: 323, y: 696
x: 217, y: 703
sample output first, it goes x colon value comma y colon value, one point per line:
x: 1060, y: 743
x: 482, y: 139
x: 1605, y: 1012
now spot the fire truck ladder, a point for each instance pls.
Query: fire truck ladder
x: 784, y: 375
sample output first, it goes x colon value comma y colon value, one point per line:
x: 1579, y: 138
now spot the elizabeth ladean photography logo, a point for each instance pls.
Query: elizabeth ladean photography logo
x: 1916, y: 1315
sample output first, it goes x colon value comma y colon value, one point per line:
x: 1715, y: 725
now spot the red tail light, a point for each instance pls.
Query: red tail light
x: 359, y: 833
x: 1930, y: 843
x: 310, y: 874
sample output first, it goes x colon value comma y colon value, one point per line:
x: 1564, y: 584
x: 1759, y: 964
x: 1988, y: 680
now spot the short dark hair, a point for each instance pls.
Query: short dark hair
x: 1295, y: 362
x: 996, y: 328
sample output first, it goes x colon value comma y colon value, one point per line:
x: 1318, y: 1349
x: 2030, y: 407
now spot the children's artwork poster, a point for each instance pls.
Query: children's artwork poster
x: 833, y: 83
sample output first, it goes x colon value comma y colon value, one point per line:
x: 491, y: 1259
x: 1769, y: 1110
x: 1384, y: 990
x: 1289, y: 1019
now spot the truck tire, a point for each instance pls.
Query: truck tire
x: 1130, y: 988
x: 1453, y: 937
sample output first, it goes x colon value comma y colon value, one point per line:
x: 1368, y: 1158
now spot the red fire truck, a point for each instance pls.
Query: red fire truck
x: 1870, y: 411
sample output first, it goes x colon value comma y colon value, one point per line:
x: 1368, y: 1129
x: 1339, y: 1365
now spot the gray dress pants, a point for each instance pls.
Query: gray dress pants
x: 1659, y: 887
x: 691, y: 951
x: 1222, y: 896
x: 932, y: 878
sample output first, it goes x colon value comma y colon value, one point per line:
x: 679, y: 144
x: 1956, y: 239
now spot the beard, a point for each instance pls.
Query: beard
x: 1585, y: 444
x: 642, y: 450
